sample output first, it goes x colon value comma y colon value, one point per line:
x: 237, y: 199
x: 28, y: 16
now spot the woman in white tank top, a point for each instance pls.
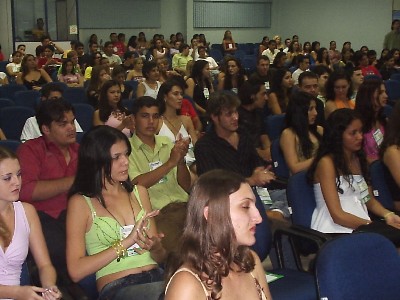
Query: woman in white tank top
x: 151, y: 85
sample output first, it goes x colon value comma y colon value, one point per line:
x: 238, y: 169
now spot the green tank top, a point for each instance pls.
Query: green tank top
x: 104, y: 232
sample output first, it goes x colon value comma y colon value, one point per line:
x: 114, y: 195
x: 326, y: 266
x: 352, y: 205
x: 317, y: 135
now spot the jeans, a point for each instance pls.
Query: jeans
x: 146, y: 285
x: 279, y: 202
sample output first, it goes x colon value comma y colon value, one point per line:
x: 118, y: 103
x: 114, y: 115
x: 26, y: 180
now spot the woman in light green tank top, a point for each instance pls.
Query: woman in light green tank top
x: 110, y: 229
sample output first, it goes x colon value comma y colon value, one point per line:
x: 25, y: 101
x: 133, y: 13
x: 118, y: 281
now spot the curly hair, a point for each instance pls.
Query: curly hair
x: 330, y: 83
x: 209, y: 245
x: 296, y: 118
x: 105, y: 108
x: 320, y: 54
x: 365, y: 104
x: 228, y: 76
x: 332, y: 145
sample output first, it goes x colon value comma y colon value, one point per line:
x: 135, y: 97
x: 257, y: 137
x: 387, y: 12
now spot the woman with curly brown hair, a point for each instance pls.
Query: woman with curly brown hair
x: 215, y: 261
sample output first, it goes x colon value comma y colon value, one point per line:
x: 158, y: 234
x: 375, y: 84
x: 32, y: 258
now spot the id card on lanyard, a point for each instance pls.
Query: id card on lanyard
x: 364, y: 191
x: 378, y: 136
x: 154, y: 165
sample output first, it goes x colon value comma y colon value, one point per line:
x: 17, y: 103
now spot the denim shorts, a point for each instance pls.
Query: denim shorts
x: 145, y: 285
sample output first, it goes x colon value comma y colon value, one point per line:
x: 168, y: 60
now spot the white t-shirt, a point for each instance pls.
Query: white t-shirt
x: 31, y: 129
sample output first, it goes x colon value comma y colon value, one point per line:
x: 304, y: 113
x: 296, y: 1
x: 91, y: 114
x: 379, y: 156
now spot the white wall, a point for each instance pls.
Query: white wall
x: 240, y: 35
x: 359, y: 21
x: 363, y: 22
x: 173, y: 19
x: 6, y: 27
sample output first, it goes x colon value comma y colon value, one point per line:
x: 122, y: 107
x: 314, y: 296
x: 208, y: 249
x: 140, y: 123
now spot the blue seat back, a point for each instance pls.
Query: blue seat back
x: 381, y: 179
x: 75, y: 95
x: 10, y: 144
x: 358, y: 266
x: 395, y: 76
x: 9, y: 90
x: 5, y: 102
x: 12, y: 120
x: 393, y: 89
x: 274, y: 125
x: 133, y: 84
x: 300, y: 195
x: 84, y: 115
x: 280, y: 167
x: 28, y: 98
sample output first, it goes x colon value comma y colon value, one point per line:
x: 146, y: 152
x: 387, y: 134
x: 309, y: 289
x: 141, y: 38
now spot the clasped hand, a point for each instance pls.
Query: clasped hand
x: 141, y: 235
x: 180, y: 149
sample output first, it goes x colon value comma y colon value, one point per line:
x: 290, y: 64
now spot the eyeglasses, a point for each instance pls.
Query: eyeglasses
x: 97, y: 57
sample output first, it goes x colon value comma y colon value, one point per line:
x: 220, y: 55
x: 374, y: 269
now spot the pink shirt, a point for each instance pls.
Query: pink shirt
x: 115, y: 121
x: 12, y: 259
x: 370, y: 146
x: 40, y: 159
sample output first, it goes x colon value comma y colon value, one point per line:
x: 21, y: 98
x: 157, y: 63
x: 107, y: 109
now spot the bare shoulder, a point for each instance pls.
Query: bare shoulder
x: 258, y: 271
x: 30, y: 210
x: 287, y: 133
x: 185, y: 285
x: 320, y: 130
x: 77, y: 203
x: 185, y: 120
x: 325, y: 168
x: 391, y: 152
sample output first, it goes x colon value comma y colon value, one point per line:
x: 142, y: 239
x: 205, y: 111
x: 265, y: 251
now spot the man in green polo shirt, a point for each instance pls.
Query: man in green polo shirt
x: 180, y: 60
x: 155, y: 162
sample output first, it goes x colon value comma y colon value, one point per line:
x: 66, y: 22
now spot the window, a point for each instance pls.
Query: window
x: 33, y: 19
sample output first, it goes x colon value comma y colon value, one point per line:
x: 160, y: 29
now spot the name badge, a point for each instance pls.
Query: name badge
x: 124, y: 232
x: 206, y: 93
x: 364, y: 192
x: 154, y: 165
x: 378, y: 136
x: 264, y: 195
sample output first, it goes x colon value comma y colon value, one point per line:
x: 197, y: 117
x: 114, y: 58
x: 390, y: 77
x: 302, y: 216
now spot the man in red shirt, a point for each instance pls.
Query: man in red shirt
x: 48, y: 164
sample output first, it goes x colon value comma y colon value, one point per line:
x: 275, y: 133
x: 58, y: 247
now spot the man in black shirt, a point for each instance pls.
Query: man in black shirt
x: 262, y: 72
x: 226, y: 147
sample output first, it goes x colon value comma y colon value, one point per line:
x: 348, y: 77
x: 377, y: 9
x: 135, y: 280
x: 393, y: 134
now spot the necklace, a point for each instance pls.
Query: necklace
x: 172, y: 124
x: 130, y: 203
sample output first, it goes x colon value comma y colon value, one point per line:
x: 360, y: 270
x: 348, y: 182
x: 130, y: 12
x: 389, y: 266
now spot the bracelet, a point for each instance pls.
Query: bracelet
x: 388, y: 214
x: 119, y: 249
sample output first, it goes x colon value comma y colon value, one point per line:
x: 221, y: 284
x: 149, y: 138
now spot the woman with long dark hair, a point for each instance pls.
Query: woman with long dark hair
x: 338, y: 92
x: 340, y: 177
x: 280, y: 91
x: 233, y: 76
x: 370, y: 101
x: 31, y: 76
x: 110, y: 226
x: 301, y: 137
x: 199, y: 85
